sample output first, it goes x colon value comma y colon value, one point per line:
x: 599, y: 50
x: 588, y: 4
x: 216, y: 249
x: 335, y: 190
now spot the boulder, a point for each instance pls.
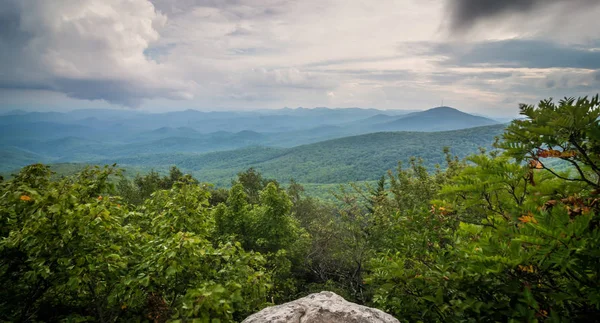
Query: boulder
x: 323, y: 307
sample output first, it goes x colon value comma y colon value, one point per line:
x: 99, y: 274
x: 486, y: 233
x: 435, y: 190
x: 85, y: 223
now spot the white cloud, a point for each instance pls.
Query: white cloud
x: 93, y: 50
x: 263, y: 54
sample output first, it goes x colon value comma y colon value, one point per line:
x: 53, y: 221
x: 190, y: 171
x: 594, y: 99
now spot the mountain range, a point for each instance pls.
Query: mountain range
x: 354, y: 158
x: 304, y: 143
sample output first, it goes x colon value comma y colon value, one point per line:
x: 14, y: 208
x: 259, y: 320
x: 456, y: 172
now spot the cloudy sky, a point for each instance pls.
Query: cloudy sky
x: 481, y: 56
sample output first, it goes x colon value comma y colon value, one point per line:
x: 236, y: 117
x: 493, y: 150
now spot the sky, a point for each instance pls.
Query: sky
x: 480, y: 56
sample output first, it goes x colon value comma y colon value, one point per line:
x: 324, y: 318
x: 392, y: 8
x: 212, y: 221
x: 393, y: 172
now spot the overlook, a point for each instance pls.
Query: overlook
x: 289, y: 161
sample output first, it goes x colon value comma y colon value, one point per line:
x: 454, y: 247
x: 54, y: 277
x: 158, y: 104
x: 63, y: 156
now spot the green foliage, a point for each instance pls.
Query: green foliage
x: 498, y: 236
x: 505, y: 240
x: 252, y: 182
x: 141, y: 187
x: 64, y: 245
x: 72, y: 251
x: 569, y: 131
x: 266, y: 226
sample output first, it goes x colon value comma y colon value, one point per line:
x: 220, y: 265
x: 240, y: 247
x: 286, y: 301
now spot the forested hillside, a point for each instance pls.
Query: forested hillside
x: 500, y: 236
x: 356, y: 158
x: 91, y: 136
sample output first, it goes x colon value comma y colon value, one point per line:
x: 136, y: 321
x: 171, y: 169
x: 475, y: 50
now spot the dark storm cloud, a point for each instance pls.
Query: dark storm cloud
x: 12, y: 38
x: 10, y: 20
x: 465, y: 13
x: 115, y: 91
x: 518, y: 53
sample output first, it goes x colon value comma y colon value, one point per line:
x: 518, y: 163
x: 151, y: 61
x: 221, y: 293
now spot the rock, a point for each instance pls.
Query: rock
x: 323, y: 307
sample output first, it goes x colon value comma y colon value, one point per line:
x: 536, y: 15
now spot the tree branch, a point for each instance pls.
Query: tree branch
x: 585, y: 156
x: 566, y: 178
x: 580, y: 171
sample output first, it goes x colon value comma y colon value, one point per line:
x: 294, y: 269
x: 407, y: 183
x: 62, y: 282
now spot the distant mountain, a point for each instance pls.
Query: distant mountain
x: 92, y: 135
x: 165, y: 132
x: 12, y: 158
x: 244, y: 135
x: 32, y: 117
x: 436, y: 119
x: 201, y: 121
x: 355, y: 158
x: 42, y: 131
x: 13, y: 112
x: 374, y: 120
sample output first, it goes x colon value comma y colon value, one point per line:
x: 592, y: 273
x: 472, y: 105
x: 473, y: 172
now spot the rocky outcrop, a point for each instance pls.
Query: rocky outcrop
x: 323, y: 307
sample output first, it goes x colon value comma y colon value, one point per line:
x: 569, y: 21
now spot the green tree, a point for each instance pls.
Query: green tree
x: 253, y: 183
x: 233, y: 218
x: 72, y: 251
x: 268, y: 227
x: 568, y: 131
x: 506, y: 240
x: 142, y: 186
x: 65, y: 248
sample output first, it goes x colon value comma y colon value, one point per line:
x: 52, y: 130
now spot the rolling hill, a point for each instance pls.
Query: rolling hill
x: 12, y: 158
x: 355, y: 158
x: 90, y: 136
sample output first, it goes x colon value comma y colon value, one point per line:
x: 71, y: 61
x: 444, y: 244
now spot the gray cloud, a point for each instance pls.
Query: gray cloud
x: 365, y: 74
x: 238, y: 9
x: 466, y: 13
x: 332, y: 62
x: 569, y: 80
x: 560, y: 83
x: 276, y: 53
x: 10, y: 21
x: 517, y: 53
x: 449, y: 78
x: 240, y: 31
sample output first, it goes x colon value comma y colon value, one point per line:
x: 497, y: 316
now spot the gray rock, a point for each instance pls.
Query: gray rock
x: 323, y: 307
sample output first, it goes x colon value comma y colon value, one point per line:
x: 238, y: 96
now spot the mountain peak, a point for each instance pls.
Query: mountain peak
x: 436, y: 119
x: 443, y: 111
x: 443, y: 108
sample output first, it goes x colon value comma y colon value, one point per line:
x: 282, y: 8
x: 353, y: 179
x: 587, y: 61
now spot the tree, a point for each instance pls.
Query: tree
x: 507, y: 240
x: 233, y: 218
x: 253, y: 182
x: 142, y: 186
x: 186, y: 271
x: 70, y: 250
x: 175, y: 175
x: 65, y: 248
x: 568, y: 131
x: 268, y: 227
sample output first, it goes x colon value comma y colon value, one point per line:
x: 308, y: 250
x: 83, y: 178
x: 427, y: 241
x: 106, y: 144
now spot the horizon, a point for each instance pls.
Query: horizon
x: 159, y: 56
x: 19, y: 111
